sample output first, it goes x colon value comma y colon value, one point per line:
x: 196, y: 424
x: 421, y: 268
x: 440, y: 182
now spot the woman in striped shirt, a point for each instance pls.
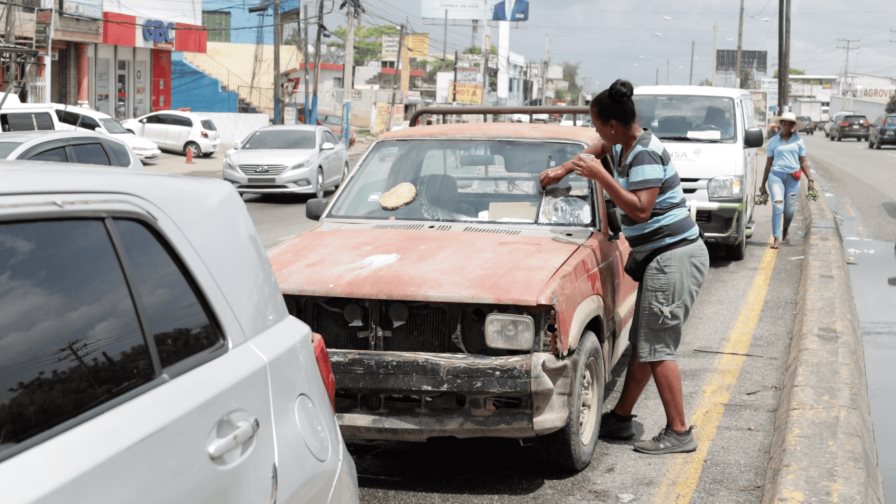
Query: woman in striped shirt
x: 668, y: 259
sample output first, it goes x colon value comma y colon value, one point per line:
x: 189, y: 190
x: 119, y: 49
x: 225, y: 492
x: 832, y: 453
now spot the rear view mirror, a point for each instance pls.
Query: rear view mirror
x: 753, y: 138
x: 327, y: 146
x: 613, y: 222
x: 314, y: 208
x: 142, y: 121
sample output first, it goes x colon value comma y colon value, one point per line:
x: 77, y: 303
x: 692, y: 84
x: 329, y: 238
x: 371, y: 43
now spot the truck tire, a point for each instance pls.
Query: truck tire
x: 572, y: 447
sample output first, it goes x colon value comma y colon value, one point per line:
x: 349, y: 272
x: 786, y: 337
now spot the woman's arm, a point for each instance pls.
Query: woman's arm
x: 768, y: 167
x: 551, y: 176
x: 804, y: 165
x: 636, y: 204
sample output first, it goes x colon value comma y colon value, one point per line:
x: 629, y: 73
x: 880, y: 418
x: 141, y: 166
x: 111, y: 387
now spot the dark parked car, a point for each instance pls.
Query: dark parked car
x: 882, y: 131
x: 849, y: 126
x: 807, y: 124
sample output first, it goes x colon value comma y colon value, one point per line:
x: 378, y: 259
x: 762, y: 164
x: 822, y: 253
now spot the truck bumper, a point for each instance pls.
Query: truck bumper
x: 717, y: 220
x: 413, y: 396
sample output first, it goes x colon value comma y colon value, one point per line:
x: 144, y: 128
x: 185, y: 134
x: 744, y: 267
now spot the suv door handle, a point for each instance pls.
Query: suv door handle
x: 244, y: 432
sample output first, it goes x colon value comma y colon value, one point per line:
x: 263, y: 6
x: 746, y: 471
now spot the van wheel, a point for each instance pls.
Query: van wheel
x: 738, y: 251
x: 572, y: 447
x: 193, y: 146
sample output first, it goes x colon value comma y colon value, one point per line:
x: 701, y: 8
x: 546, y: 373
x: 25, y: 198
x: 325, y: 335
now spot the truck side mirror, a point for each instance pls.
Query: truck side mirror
x: 753, y: 138
x: 314, y: 208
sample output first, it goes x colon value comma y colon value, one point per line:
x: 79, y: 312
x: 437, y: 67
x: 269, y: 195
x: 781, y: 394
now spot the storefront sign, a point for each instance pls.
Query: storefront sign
x: 158, y: 32
x: 91, y: 9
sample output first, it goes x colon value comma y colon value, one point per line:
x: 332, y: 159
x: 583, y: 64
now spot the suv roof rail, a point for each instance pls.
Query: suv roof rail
x: 485, y: 111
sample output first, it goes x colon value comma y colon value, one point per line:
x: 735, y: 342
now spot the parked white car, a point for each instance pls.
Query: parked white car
x: 68, y: 147
x: 300, y: 159
x: 147, y: 354
x: 177, y: 131
x: 80, y: 118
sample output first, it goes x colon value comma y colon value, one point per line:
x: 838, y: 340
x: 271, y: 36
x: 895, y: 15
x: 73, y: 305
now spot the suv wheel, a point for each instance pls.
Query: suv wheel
x: 572, y: 447
x: 877, y: 144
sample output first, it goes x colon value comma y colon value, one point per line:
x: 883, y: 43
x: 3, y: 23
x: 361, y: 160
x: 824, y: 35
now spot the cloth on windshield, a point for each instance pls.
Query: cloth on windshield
x: 649, y: 165
x: 785, y: 153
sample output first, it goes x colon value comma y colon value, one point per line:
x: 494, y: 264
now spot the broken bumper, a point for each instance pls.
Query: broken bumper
x: 414, y: 396
x: 717, y: 220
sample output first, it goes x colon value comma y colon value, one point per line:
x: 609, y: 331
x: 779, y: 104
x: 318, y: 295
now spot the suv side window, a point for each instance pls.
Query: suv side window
x: 67, y: 117
x: 117, y: 152
x: 175, y: 315
x: 90, y: 153
x: 71, y: 340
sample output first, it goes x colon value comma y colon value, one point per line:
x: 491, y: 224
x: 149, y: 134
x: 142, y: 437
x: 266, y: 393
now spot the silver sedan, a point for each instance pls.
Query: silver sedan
x: 299, y: 159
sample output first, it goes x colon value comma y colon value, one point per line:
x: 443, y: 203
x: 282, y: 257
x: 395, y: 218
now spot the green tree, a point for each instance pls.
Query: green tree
x: 891, y: 105
x: 368, y: 41
x: 571, y: 75
x: 792, y: 71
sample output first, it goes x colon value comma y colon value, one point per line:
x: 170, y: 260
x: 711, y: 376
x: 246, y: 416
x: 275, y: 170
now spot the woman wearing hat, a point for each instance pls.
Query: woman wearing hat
x: 786, y: 161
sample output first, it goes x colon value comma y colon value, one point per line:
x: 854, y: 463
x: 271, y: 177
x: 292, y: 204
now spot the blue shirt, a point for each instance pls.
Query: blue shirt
x: 650, y: 165
x: 786, y: 154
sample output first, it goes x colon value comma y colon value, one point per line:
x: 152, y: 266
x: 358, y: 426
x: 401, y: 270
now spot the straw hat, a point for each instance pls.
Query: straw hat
x: 789, y: 116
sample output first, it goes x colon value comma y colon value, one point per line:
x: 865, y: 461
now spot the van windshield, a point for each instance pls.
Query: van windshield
x: 687, y: 118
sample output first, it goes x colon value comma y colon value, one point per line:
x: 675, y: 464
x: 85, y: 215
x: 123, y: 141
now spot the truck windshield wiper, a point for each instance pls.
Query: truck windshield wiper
x: 689, y: 139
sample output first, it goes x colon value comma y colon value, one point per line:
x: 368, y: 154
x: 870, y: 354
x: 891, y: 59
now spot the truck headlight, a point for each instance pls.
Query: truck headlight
x: 725, y: 187
x: 509, y: 332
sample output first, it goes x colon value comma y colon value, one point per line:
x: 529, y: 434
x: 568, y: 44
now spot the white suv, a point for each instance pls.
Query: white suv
x: 147, y: 354
x: 80, y: 118
x: 177, y: 131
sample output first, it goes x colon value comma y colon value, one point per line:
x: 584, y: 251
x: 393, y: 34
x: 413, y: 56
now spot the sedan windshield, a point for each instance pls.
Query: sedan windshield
x: 466, y: 180
x: 282, y: 139
x: 113, y: 127
x: 687, y: 118
x: 7, y: 147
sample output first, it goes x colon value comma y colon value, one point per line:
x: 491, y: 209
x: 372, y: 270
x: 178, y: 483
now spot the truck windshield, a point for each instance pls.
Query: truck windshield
x: 687, y: 118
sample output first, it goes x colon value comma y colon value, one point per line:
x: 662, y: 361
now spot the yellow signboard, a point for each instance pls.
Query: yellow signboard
x: 467, y: 92
x: 417, y: 44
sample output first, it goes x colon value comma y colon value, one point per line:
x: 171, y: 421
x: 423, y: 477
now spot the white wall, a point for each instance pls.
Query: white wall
x: 234, y: 127
x: 870, y: 108
x: 180, y: 11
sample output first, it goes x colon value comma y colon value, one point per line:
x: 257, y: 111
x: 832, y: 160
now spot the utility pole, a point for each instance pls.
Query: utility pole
x: 544, y: 68
x: 740, y: 42
x: 397, y: 76
x: 848, y: 48
x: 691, y: 76
x: 786, y: 88
x: 454, y: 82
x: 445, y: 35
x: 715, y: 34
x: 10, y: 73
x: 486, y: 53
x: 657, y: 80
x: 278, y: 89
x: 348, y: 83
x: 305, y: 39
x: 320, y: 29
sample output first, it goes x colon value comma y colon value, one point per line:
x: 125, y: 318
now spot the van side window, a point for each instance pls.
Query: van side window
x: 67, y: 117
x: 43, y: 121
x: 71, y: 340
x: 174, y: 313
x: 21, y: 121
x: 88, y: 123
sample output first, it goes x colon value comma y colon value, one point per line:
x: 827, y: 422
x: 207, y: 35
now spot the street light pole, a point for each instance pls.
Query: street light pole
x: 347, y: 75
x: 278, y: 91
x: 740, y: 41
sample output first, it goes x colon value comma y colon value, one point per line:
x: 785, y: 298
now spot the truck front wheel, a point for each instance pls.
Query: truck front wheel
x: 572, y: 447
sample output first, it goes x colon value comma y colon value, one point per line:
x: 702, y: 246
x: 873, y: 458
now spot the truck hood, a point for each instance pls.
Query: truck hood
x: 694, y: 160
x: 456, y: 266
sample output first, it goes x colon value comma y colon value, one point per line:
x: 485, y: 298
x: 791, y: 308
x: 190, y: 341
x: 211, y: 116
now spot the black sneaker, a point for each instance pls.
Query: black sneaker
x: 668, y: 441
x: 616, y: 426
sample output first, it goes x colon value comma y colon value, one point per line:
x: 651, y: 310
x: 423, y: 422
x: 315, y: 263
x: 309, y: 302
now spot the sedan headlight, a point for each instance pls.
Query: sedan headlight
x: 509, y: 332
x: 300, y: 165
x: 725, y: 187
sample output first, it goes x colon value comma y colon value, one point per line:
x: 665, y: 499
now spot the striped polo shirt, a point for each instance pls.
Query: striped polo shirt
x: 650, y: 165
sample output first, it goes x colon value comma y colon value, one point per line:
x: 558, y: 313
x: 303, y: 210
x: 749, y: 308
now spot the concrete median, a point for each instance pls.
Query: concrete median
x: 823, y: 447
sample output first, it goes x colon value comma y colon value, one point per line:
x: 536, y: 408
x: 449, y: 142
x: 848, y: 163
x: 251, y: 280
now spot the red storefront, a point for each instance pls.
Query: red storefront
x: 132, y: 67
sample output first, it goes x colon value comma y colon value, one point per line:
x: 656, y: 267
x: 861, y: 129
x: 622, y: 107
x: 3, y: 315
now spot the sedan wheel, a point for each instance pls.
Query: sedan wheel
x: 193, y: 146
x: 319, y: 188
x: 344, y: 174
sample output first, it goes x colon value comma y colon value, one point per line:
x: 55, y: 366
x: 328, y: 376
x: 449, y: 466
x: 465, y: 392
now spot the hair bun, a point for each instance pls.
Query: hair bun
x: 621, y: 90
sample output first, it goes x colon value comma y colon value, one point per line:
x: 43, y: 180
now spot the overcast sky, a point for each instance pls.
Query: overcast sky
x: 632, y: 39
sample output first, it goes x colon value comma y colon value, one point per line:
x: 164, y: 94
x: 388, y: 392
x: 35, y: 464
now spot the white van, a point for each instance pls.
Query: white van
x: 714, y: 141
